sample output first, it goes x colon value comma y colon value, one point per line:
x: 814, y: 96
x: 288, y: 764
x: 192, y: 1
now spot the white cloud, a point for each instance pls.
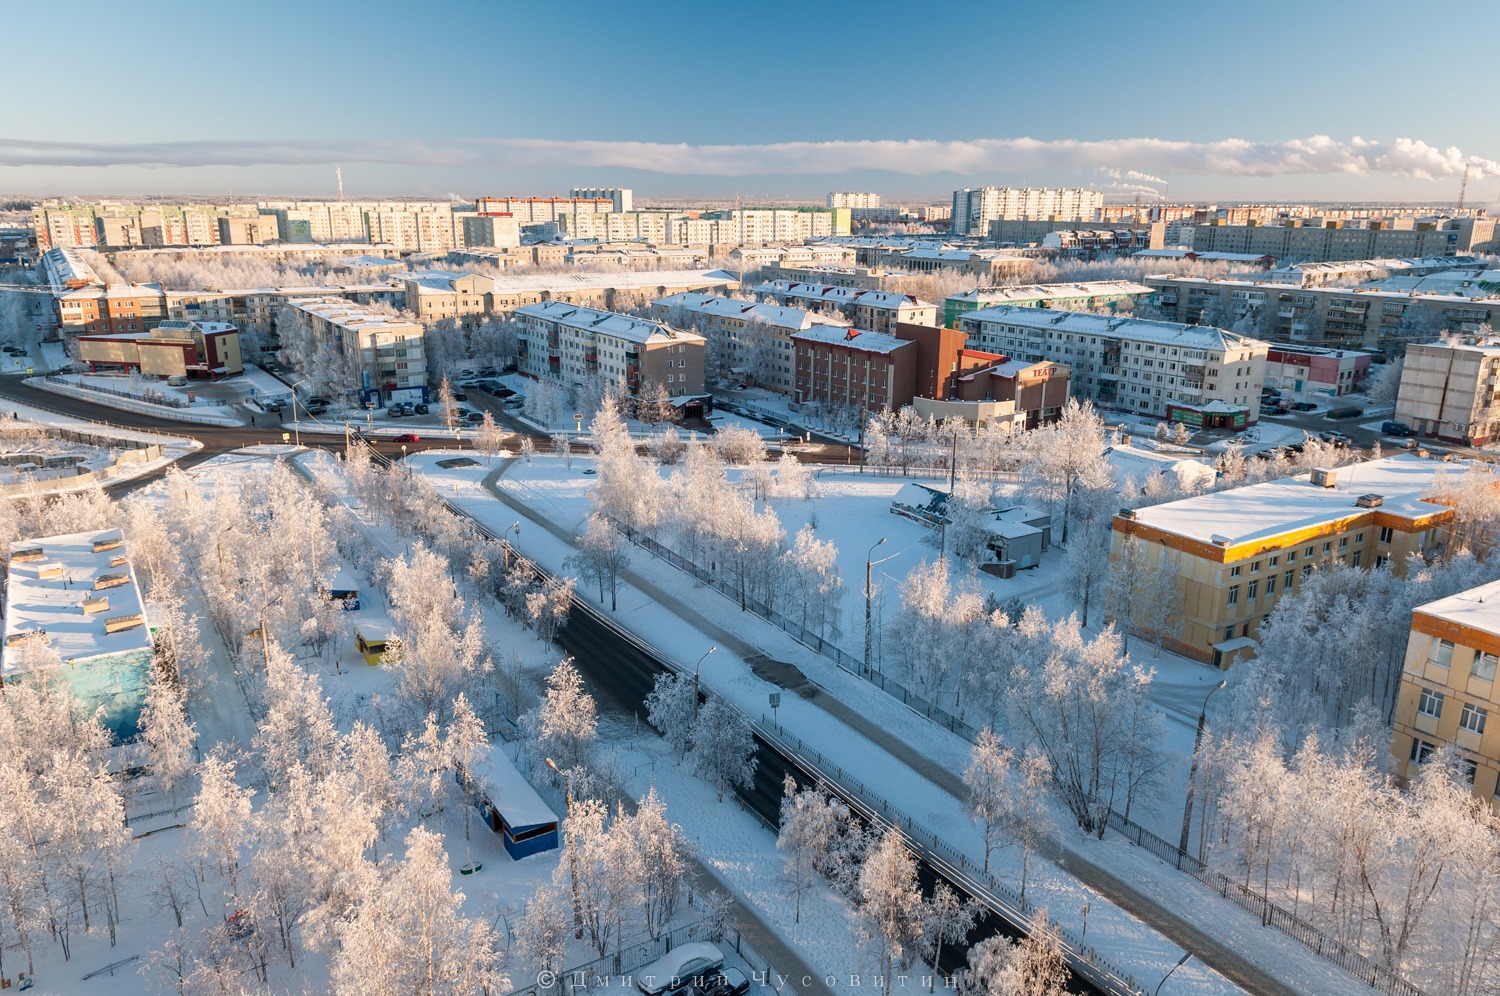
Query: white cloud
x: 1319, y: 154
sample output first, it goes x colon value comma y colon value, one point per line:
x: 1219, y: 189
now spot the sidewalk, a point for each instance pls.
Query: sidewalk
x: 1199, y: 925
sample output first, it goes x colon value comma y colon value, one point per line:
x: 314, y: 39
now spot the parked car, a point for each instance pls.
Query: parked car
x: 679, y: 967
x: 421, y: 408
x: 460, y: 396
x: 1396, y: 429
x: 394, y: 411
x: 502, y: 392
x: 1341, y: 413
x: 315, y: 407
x: 273, y: 406
x: 1336, y: 438
x: 726, y: 982
x: 1304, y: 406
x: 474, y: 416
x: 407, y: 437
x: 407, y: 408
x: 489, y: 372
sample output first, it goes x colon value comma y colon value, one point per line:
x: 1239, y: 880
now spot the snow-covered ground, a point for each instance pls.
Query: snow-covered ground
x: 97, y: 389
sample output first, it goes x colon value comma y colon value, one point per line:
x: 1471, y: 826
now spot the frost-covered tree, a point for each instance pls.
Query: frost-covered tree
x: 1384, y: 383
x: 946, y: 919
x: 671, y: 707
x: 1141, y: 588
x: 660, y: 854
x: 547, y: 607
x: 564, y: 725
x: 988, y: 781
x: 814, y: 826
x: 170, y: 737
x: 221, y: 817
x: 1067, y: 458
x: 602, y: 558
x: 1036, y: 966
x: 542, y: 930
x: 723, y: 748
x: 439, y: 950
x: 890, y: 904
x: 489, y: 437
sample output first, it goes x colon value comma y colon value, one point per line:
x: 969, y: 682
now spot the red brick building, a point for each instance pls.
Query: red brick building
x: 839, y: 366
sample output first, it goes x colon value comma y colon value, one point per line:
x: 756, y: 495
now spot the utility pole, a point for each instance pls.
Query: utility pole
x: 869, y: 594
x: 1187, y: 808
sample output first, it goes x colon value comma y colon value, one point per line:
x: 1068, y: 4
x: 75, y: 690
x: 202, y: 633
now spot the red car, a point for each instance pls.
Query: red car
x: 408, y: 437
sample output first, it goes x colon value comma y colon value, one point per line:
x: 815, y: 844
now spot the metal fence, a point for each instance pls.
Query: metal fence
x: 1270, y: 914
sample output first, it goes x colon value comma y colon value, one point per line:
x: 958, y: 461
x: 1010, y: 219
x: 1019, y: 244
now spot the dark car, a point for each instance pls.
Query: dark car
x: 274, y: 406
x: 503, y: 392
x: 315, y: 407
x: 1336, y: 438
x: 1396, y: 429
x: 726, y: 982
x: 421, y: 409
x: 489, y: 372
x: 460, y: 396
x: 1304, y: 406
x: 407, y: 437
x: 473, y: 416
x: 394, y: 411
x: 1341, y: 413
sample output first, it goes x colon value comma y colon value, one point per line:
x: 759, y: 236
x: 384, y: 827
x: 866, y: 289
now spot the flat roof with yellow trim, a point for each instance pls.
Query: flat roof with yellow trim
x: 1475, y: 609
x: 1260, y: 513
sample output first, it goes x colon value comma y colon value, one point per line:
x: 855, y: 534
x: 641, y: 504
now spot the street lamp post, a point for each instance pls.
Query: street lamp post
x: 1180, y: 962
x: 695, y: 679
x: 869, y: 594
x: 1187, y: 808
x: 572, y: 848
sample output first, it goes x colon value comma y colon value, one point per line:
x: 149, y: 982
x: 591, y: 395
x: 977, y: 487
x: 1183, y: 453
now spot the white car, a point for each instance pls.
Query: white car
x: 678, y: 968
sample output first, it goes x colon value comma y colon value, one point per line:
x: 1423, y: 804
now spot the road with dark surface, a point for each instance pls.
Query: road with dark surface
x: 622, y: 673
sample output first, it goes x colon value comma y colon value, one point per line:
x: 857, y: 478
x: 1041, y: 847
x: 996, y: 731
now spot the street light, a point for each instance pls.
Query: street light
x: 1187, y: 809
x: 869, y: 593
x: 296, y: 426
x: 572, y: 848
x: 1180, y: 962
x: 695, y: 679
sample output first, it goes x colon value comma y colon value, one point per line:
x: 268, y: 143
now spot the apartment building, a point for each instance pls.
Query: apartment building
x: 248, y: 231
x: 542, y: 210
x: 1451, y: 390
x: 654, y: 227
x: 1236, y: 552
x: 174, y: 348
x: 300, y: 221
x: 1194, y: 374
x: 1340, y: 240
x: 113, y: 224
x: 620, y: 198
x: 1367, y: 317
x: 973, y: 210
x: 1305, y: 370
x: 497, y: 231
x: 78, y: 594
x: 813, y: 255
x: 985, y: 265
x: 567, y: 342
x: 388, y: 353
x: 988, y: 389
x: 436, y: 295
x: 1350, y: 271
x: 848, y: 367
x: 1448, y: 687
x: 1094, y: 295
x: 853, y: 199
x: 861, y: 277
x: 724, y: 321
x: 877, y: 311
x: 1067, y: 233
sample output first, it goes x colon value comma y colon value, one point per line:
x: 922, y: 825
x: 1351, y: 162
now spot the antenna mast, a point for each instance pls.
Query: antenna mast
x: 1463, y: 187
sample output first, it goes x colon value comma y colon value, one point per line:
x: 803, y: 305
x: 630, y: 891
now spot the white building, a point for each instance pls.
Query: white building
x: 568, y: 343
x: 494, y: 231
x: 857, y: 200
x: 877, y: 311
x: 623, y: 198
x: 1191, y: 373
x: 727, y: 318
x: 388, y: 353
x: 973, y: 210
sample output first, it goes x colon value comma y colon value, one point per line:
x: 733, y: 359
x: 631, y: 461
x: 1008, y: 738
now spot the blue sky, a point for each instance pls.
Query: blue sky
x: 1322, y: 99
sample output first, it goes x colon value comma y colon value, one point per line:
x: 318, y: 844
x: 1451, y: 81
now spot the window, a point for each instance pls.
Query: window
x: 1291, y: 556
x: 1442, y: 653
x: 1343, y: 542
x: 1234, y: 594
x: 1271, y: 585
x: 1359, y: 537
x: 1472, y: 718
x: 1328, y: 547
x: 1255, y: 567
x: 1254, y: 586
x: 1307, y: 570
x: 1430, y: 703
x: 1273, y: 561
x: 1308, y: 553
x: 1385, y: 534
x: 1484, y: 665
x: 1234, y: 572
x: 1422, y: 751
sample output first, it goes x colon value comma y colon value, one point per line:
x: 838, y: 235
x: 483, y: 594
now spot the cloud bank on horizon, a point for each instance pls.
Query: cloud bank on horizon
x: 1319, y: 154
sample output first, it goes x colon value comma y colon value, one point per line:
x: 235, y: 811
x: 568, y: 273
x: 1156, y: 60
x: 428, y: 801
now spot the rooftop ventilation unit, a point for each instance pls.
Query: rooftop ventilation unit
x: 1370, y: 501
x: 1324, y: 477
x: 1128, y: 513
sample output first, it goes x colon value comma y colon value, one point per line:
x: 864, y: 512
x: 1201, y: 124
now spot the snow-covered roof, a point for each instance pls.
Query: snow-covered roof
x: 1265, y: 511
x: 1135, y: 329
x: 774, y: 315
x: 986, y: 296
x: 1220, y: 257
x: 47, y: 584
x: 870, y: 342
x: 609, y: 323
x: 525, y: 282
x: 800, y: 291
x: 509, y: 792
x: 1477, y: 608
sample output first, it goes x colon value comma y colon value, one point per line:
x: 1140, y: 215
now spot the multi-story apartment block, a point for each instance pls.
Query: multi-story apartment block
x: 760, y: 225
x: 861, y: 277
x: 726, y: 320
x: 1347, y: 271
x: 568, y: 343
x: 115, y: 225
x: 973, y: 210
x: 1194, y: 374
x: 389, y: 353
x: 248, y: 231
x: 543, y: 210
x: 853, y: 199
x: 498, y: 231
x: 985, y: 265
x: 1093, y: 295
x: 816, y: 254
x: 1311, y: 370
x: 1449, y: 687
x: 1067, y: 233
x: 848, y: 367
x: 319, y: 221
x: 877, y: 311
x: 435, y: 295
x: 621, y: 198
x: 1368, y: 318
x: 1236, y: 552
x: 1338, y: 240
x: 1451, y: 390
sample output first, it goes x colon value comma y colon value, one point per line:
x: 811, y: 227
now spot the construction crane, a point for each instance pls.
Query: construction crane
x: 1463, y: 187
